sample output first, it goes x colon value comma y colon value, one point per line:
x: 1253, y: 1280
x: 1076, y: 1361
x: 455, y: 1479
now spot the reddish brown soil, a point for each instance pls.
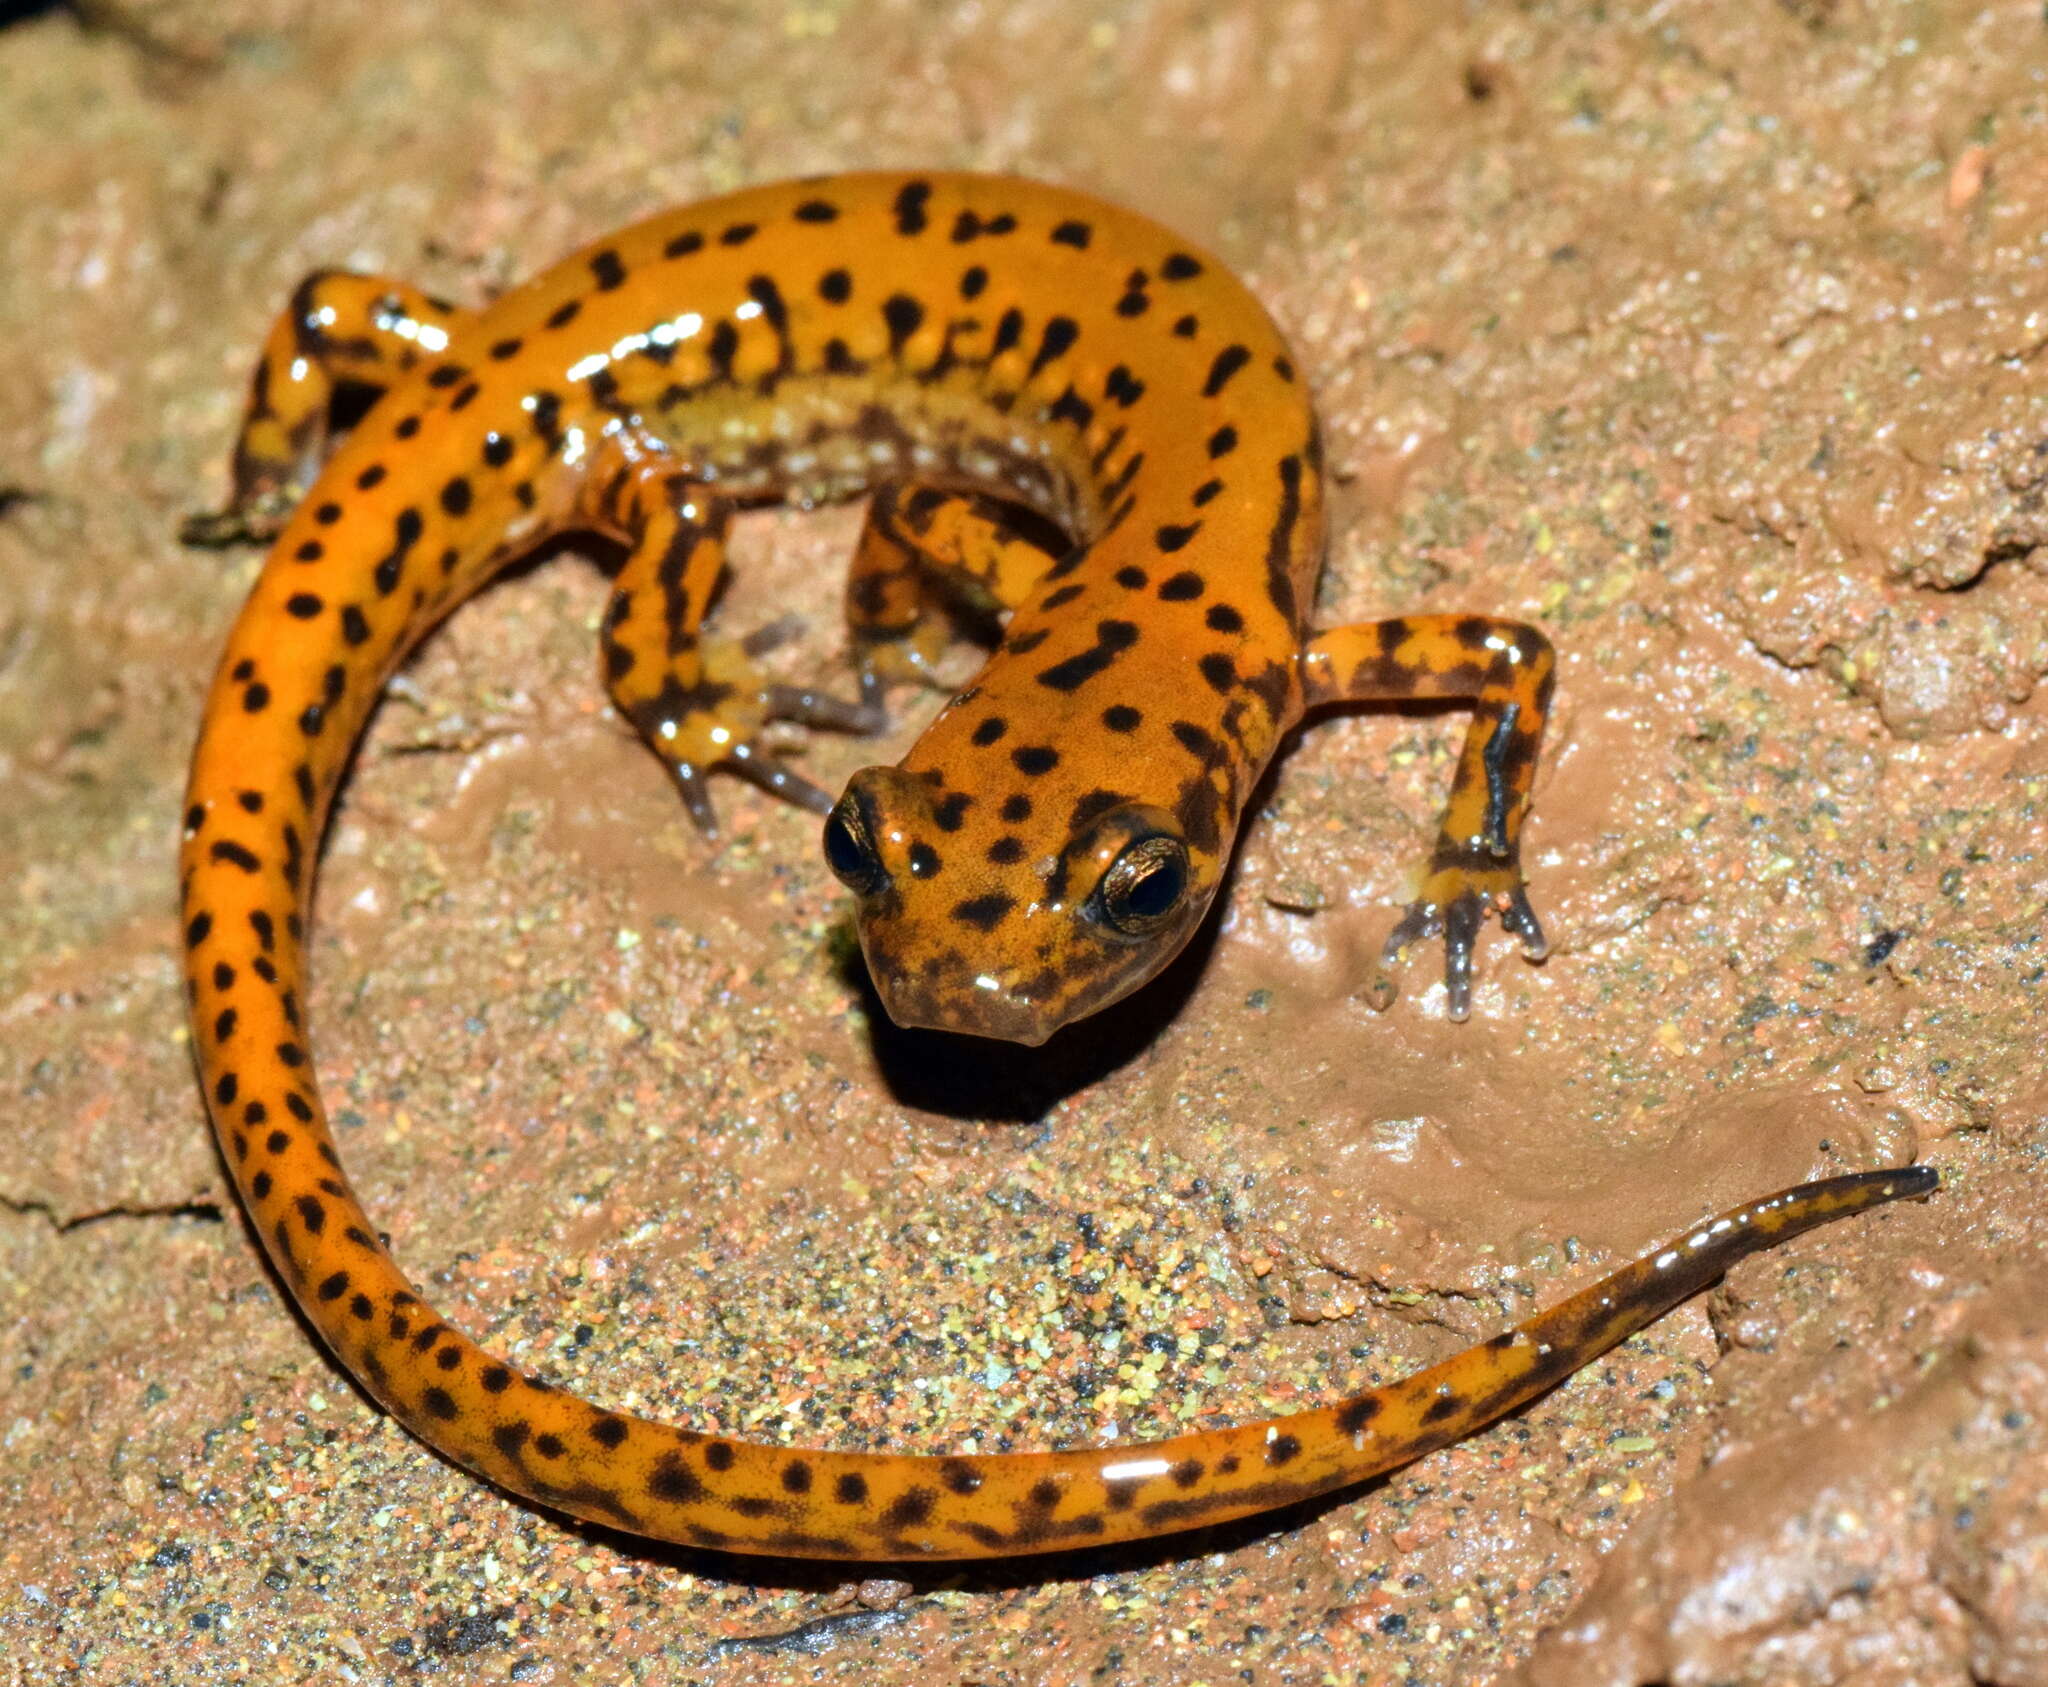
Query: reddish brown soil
x: 1710, y: 337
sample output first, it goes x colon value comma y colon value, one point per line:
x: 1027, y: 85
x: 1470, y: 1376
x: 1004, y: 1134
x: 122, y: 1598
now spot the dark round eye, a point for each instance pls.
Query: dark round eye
x: 1144, y: 885
x: 849, y: 852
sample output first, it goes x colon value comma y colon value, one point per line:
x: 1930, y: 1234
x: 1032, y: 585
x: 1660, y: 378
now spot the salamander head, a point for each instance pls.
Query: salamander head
x: 1024, y: 902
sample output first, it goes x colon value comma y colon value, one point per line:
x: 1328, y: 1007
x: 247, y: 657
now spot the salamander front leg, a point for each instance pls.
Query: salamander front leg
x: 1507, y: 670
x: 921, y: 546
x: 339, y: 327
x: 698, y: 701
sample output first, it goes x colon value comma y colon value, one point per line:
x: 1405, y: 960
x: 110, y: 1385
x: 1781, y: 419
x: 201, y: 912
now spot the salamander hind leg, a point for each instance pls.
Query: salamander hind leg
x: 921, y: 548
x: 1507, y: 670
x: 340, y: 328
x: 698, y: 700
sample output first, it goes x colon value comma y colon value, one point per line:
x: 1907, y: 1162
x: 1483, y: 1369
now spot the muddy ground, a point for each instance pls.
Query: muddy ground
x: 1712, y: 337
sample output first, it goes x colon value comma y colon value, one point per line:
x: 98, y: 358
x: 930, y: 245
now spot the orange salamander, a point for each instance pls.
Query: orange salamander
x: 1069, y: 421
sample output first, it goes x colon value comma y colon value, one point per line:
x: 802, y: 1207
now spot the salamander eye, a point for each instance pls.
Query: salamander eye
x: 850, y: 852
x: 1144, y: 885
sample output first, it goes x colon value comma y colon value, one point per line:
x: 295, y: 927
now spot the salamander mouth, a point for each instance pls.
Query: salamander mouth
x: 983, y: 1008
x: 1012, y: 1005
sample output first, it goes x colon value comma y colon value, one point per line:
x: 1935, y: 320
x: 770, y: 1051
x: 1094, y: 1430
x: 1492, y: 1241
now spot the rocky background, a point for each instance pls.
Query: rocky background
x: 1713, y: 337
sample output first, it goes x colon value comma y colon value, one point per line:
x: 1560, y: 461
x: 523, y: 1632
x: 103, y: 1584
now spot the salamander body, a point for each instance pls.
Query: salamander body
x: 1069, y: 422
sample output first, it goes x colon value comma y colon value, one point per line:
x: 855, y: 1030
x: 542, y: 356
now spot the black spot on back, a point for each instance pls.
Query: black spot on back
x: 909, y: 1508
x: 674, y: 1481
x: 1060, y: 334
x: 763, y: 291
x: 722, y: 347
x: 1112, y: 638
x: 1228, y: 362
x: 904, y: 316
x: 1070, y: 406
x: 911, y: 200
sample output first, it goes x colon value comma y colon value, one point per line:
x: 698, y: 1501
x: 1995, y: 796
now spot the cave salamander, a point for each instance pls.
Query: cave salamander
x: 1068, y: 422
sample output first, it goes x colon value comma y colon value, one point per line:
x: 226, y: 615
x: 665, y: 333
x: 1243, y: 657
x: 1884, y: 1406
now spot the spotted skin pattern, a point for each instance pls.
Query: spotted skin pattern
x: 959, y: 346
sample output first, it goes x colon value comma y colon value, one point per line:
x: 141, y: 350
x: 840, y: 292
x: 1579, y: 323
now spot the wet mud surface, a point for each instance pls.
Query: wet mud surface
x: 1711, y: 338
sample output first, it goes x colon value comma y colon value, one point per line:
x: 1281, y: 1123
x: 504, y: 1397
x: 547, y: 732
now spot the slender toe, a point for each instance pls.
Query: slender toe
x: 821, y: 708
x: 1521, y: 919
x: 777, y: 779
x: 697, y: 800
x: 1461, y: 934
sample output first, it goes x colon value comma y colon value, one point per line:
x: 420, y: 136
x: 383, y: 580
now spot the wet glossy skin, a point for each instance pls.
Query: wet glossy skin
x: 959, y: 346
